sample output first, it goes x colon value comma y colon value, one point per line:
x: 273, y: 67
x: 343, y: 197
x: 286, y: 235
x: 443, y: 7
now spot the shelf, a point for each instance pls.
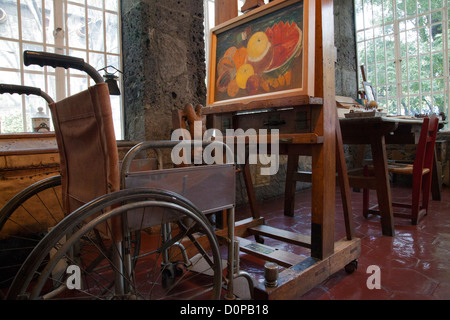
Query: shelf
x: 255, y: 104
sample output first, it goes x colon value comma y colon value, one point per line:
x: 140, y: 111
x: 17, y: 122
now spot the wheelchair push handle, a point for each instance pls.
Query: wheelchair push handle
x: 58, y: 60
x: 19, y: 89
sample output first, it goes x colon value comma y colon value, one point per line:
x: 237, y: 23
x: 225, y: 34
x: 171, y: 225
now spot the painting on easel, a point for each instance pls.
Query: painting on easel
x: 261, y: 54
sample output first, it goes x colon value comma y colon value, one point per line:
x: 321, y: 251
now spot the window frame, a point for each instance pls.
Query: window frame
x: 401, y: 63
x: 58, y: 81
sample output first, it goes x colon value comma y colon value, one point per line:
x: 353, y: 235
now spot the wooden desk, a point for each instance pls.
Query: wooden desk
x: 377, y: 132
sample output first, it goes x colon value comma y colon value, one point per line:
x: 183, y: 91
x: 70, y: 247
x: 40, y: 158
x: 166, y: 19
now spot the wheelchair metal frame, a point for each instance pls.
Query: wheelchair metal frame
x: 168, y: 199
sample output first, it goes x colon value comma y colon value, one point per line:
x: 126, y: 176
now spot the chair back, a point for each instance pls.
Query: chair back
x: 425, y: 147
x: 87, y: 146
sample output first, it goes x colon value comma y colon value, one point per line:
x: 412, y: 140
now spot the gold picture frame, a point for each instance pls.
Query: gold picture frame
x: 264, y: 55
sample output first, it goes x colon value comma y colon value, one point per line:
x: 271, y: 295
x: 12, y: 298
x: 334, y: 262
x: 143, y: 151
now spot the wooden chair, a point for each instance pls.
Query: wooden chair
x: 420, y: 170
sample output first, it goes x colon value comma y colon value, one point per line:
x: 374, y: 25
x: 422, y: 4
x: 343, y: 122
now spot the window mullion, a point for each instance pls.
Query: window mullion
x: 60, y: 35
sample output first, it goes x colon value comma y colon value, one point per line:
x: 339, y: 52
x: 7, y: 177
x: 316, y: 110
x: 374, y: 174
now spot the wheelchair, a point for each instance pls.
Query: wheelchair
x: 126, y: 233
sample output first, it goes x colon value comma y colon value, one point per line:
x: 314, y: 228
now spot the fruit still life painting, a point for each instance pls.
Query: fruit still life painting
x: 261, y: 56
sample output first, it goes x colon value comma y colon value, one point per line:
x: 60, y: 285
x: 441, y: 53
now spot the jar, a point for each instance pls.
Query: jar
x: 40, y: 121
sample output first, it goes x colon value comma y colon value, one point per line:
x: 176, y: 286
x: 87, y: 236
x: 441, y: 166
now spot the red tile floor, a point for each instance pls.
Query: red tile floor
x: 414, y: 264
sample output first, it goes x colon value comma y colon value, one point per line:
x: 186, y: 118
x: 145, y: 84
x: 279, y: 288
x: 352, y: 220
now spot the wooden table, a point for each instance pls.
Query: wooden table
x: 377, y: 132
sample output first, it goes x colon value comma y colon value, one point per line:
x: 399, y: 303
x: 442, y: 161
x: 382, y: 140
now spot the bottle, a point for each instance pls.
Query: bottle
x: 40, y: 121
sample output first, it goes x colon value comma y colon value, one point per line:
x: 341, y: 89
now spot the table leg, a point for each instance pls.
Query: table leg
x: 383, y: 185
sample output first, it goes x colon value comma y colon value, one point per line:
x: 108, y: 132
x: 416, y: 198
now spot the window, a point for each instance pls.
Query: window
x: 89, y: 29
x: 403, y: 45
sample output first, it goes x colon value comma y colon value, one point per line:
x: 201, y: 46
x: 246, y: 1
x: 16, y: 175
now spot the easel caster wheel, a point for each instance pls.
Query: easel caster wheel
x: 351, y: 267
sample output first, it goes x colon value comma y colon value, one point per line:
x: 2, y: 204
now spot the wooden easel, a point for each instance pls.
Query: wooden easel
x: 324, y: 144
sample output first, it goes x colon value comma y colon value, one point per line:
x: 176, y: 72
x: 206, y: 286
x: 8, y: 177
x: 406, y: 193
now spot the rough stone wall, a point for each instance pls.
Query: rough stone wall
x: 346, y: 65
x: 164, y: 63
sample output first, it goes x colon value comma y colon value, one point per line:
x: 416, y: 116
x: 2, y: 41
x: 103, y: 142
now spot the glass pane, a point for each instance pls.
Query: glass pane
x: 391, y: 72
x: 379, y: 49
x: 113, y: 61
x: 392, y: 106
x: 436, y: 17
x: 96, y: 60
x: 10, y: 24
x: 112, y: 33
x: 11, y: 113
x: 388, y: 29
x: 117, y: 112
x: 361, y: 54
x: 426, y: 104
x: 436, y: 37
x: 438, y: 85
x: 438, y: 65
x: 392, y: 90
x: 359, y: 17
x: 377, y: 13
x: 370, y: 73
x: 8, y: 54
x: 390, y: 47
x: 34, y: 80
x: 413, y: 69
x: 425, y: 67
x: 78, y: 54
x: 95, y: 30
x: 111, y: 5
x: 424, y: 20
x: 439, y: 103
x: 411, y: 23
x: 404, y: 68
x: 370, y: 52
x: 76, y: 25
x: 401, y: 9
x: 378, y: 32
x: 405, y: 89
x: 32, y: 103
x: 422, y: 6
x: 426, y: 86
x: 411, y: 7
x: 78, y: 84
x: 49, y: 22
x: 360, y: 36
x: 381, y: 74
x: 414, y: 87
x: 404, y: 106
x: 388, y: 11
x: 414, y: 105
x: 412, y: 42
x: 382, y: 103
x: 403, y: 45
x: 368, y: 19
x: 424, y: 39
x: 51, y: 86
x: 31, y: 17
x: 382, y: 92
x: 436, y: 4
x: 95, y: 3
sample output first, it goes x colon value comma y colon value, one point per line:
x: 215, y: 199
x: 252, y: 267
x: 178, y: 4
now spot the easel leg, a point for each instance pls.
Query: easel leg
x: 343, y: 183
x: 289, y: 192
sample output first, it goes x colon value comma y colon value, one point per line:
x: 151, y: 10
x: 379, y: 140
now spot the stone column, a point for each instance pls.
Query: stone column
x: 164, y: 63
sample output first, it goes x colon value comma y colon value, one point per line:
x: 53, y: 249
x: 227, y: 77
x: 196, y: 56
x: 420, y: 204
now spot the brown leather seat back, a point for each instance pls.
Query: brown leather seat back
x: 87, y: 146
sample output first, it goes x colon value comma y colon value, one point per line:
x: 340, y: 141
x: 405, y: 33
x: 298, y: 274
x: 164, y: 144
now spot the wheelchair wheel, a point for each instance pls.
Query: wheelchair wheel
x: 167, y: 251
x: 24, y: 220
